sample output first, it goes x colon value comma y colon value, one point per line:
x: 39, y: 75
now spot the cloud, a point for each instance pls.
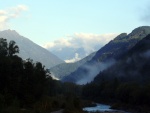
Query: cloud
x: 11, y: 13
x: 88, y: 42
x: 76, y: 58
x: 2, y: 12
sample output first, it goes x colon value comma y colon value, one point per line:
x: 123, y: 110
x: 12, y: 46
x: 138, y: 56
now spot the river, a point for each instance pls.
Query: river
x: 102, y: 108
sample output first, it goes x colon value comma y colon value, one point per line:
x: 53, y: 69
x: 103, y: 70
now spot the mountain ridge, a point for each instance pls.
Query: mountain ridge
x: 133, y: 67
x: 113, y: 50
x: 29, y: 49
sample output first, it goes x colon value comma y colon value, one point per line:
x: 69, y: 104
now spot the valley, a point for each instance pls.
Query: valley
x: 116, y: 75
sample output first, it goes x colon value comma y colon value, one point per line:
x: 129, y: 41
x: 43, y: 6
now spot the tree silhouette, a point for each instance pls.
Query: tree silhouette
x: 12, y: 48
x: 3, y: 47
x: 8, y: 49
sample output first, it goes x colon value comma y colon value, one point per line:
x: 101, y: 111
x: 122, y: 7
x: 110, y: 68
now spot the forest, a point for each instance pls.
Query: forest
x: 27, y: 87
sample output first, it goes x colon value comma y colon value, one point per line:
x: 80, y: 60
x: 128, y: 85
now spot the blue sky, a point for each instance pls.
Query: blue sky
x: 45, y: 21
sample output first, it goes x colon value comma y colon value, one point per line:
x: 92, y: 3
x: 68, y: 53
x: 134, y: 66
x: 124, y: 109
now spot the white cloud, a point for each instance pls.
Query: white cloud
x: 11, y: 13
x: 89, y: 42
x: 2, y: 12
x: 76, y: 58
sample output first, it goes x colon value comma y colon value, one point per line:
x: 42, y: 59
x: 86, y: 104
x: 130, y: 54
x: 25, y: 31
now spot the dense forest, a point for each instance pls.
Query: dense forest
x: 27, y: 87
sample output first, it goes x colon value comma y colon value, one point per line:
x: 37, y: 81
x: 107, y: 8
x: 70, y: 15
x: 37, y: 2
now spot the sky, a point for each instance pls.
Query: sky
x: 48, y: 21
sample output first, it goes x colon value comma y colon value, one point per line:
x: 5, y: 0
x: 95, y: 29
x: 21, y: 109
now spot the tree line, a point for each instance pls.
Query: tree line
x: 27, y: 87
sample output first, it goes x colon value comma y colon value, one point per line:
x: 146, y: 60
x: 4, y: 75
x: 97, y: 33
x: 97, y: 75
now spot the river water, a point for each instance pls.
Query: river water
x: 101, y: 108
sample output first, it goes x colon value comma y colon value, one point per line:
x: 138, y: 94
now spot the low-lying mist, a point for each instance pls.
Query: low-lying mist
x: 93, y: 70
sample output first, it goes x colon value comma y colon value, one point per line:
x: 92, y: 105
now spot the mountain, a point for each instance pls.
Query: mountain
x: 107, y: 56
x: 29, y: 49
x: 133, y: 67
x: 127, y: 82
x: 71, y: 54
x: 61, y: 70
x: 72, y: 48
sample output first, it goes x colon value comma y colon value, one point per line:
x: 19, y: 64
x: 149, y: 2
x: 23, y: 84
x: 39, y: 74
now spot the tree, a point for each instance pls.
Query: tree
x: 12, y: 48
x: 3, y: 47
x: 8, y: 49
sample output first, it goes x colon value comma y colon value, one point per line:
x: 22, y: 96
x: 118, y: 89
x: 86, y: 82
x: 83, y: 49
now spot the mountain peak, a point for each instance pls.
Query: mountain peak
x: 140, y: 31
x: 29, y: 49
x: 141, y: 28
x: 10, y: 32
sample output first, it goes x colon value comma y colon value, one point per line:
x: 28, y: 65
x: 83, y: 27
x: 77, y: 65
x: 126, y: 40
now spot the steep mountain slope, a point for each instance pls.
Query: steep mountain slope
x: 133, y: 67
x: 122, y: 43
x: 29, y: 49
x: 107, y: 55
x: 61, y: 70
x: 127, y: 82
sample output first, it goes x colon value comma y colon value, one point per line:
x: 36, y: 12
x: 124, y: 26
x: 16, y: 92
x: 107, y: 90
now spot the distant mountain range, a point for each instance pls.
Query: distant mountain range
x: 29, y: 49
x: 71, y: 54
x: 64, y: 69
x: 107, y: 56
x: 88, y: 68
x: 72, y: 48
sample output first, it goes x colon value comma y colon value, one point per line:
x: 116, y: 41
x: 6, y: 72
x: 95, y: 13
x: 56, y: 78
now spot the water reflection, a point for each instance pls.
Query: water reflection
x: 101, y: 108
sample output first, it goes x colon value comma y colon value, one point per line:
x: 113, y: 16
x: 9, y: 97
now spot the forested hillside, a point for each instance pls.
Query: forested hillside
x: 27, y: 87
x: 127, y: 82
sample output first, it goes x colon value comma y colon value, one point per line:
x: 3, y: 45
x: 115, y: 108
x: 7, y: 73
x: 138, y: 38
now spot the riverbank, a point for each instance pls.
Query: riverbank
x: 102, y: 108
